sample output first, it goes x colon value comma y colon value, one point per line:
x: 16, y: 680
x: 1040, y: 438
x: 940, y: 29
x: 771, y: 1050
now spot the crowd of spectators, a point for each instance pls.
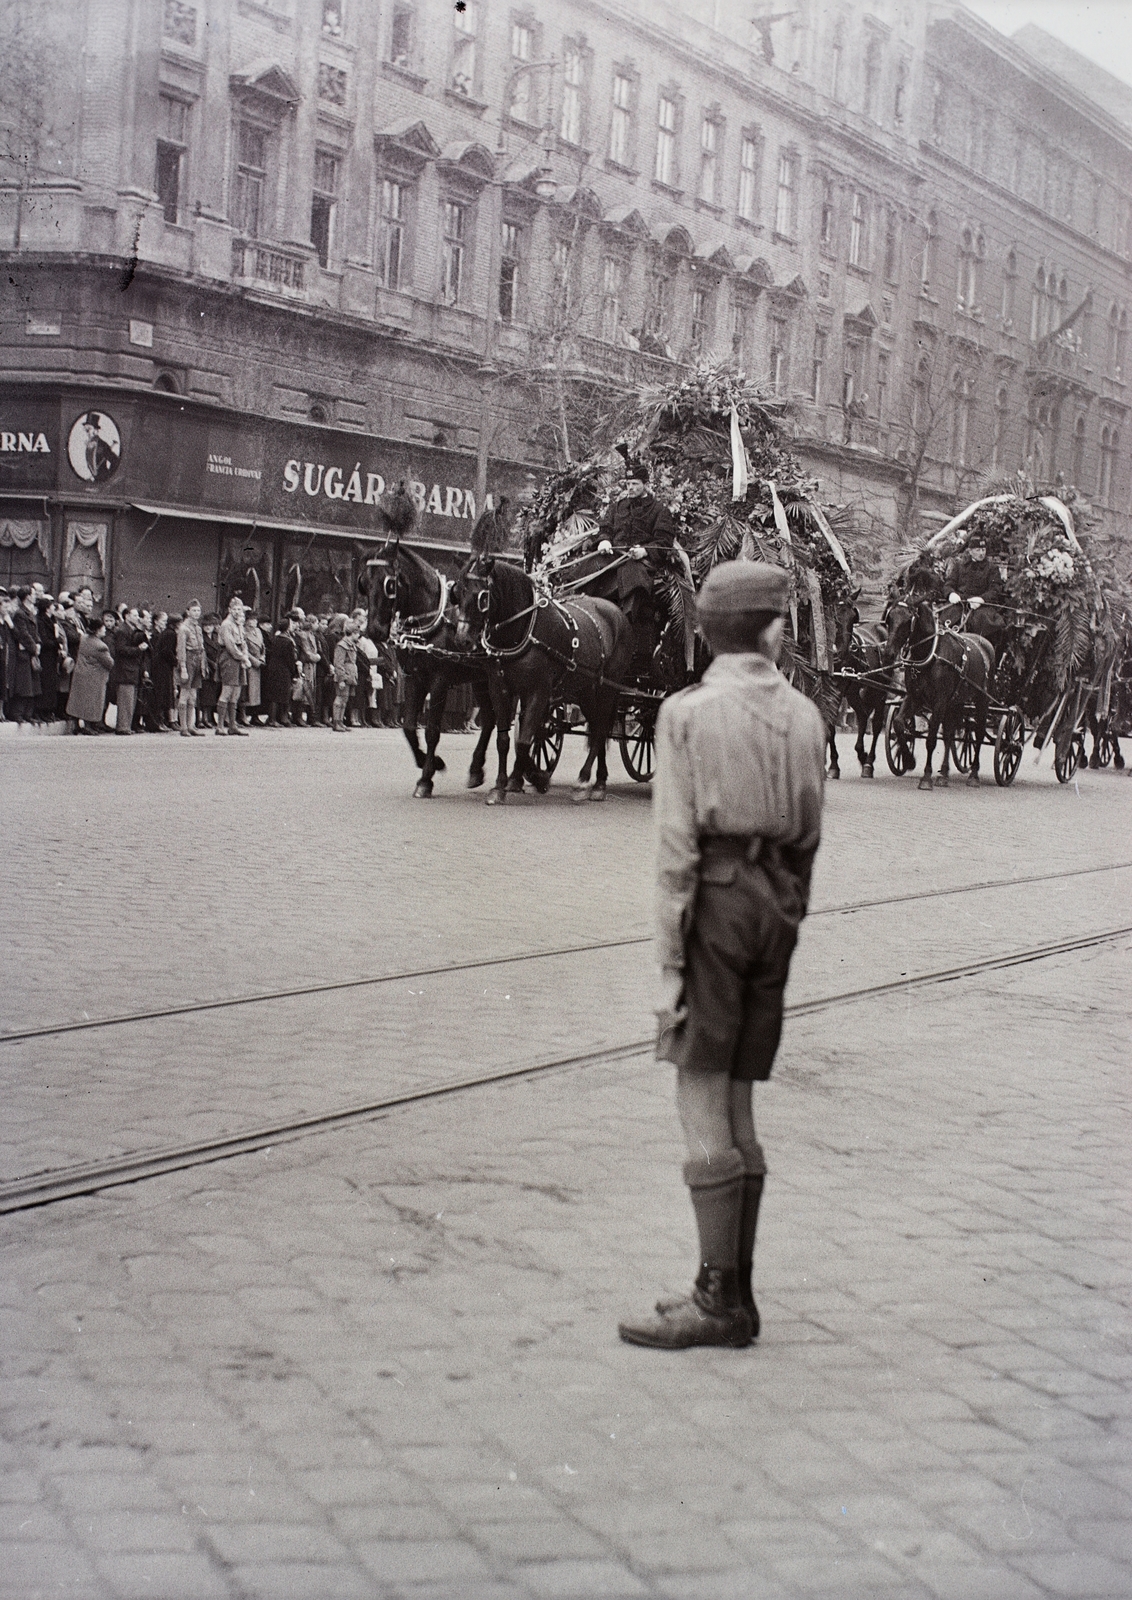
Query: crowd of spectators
x: 135, y: 670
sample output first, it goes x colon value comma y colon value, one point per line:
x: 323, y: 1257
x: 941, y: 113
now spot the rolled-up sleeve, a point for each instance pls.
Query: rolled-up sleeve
x: 677, y: 839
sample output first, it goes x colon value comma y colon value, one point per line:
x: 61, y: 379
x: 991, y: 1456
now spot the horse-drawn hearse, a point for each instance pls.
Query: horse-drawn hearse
x: 1037, y: 655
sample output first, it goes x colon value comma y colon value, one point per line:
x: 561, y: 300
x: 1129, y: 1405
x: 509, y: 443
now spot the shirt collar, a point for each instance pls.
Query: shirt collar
x: 749, y: 667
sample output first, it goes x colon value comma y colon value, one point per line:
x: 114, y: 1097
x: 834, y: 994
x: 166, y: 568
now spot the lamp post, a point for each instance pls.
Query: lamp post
x: 546, y: 188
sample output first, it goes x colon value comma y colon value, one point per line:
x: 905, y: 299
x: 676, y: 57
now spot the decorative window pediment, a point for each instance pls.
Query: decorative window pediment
x: 628, y: 222
x: 716, y: 254
x: 265, y: 85
x: 468, y: 163
x: 756, y: 269
x: 864, y: 321
x: 586, y: 203
x: 679, y: 242
x: 795, y: 289
x: 406, y: 144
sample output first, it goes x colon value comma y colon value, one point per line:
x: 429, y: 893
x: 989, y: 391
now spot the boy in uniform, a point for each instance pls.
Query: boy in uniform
x: 737, y: 799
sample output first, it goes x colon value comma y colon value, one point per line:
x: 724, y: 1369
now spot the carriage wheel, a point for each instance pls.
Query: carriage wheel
x: 638, y: 743
x: 1066, y: 762
x: 546, y: 747
x: 1103, y: 746
x: 1008, y: 746
x: 962, y: 745
x: 899, y: 749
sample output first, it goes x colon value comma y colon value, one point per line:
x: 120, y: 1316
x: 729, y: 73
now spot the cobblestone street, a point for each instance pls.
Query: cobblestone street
x: 382, y: 1360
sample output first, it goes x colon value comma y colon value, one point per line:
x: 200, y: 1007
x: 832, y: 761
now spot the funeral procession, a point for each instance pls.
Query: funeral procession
x: 646, y: 1115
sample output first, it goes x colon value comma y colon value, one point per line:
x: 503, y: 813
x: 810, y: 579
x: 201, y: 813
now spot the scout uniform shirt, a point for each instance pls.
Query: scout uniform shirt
x: 740, y: 754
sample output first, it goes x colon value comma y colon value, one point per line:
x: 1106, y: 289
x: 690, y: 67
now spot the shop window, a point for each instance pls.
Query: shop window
x: 323, y: 204
x: 454, y: 246
x: 394, y: 222
x: 25, y: 552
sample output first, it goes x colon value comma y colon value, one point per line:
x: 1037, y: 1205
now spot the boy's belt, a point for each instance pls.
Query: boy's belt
x: 734, y: 846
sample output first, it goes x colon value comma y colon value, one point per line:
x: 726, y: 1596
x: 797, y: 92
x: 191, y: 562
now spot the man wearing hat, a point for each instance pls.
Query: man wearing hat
x: 639, y: 526
x: 737, y: 799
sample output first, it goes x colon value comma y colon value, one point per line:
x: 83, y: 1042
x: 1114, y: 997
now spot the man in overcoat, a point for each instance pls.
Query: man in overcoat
x: 737, y: 801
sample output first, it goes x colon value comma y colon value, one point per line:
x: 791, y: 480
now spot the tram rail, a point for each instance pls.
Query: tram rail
x: 54, y: 1186
x: 163, y: 1013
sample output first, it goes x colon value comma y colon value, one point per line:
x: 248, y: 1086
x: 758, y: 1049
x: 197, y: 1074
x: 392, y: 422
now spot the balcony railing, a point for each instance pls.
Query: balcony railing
x: 262, y: 263
x: 626, y: 366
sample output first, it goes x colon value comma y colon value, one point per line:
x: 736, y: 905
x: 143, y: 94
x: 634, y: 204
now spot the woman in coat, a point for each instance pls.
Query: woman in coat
x: 163, y: 666
x: 88, y: 681
x: 279, y: 674
x: 51, y: 654
x: 23, y: 660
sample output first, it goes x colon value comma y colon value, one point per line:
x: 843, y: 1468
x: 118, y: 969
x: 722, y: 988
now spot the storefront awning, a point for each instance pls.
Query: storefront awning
x: 245, y: 519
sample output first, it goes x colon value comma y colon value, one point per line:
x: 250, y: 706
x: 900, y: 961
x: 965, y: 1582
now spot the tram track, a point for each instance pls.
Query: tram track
x: 54, y: 1186
x: 264, y: 997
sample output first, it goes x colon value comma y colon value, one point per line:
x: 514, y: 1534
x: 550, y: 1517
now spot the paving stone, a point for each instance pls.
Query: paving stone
x: 298, y: 1580
x: 400, y: 1560
x: 189, y: 1577
x: 564, y: 1580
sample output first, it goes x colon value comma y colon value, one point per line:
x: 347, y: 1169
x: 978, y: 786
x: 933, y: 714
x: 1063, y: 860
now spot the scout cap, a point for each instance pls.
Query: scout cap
x: 738, y: 588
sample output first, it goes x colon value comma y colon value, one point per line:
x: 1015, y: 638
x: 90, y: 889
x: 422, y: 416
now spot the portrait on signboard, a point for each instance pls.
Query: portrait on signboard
x: 94, y: 446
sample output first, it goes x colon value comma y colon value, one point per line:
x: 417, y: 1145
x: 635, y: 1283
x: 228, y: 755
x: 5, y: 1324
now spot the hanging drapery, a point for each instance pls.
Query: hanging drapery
x: 20, y: 533
x: 88, y: 535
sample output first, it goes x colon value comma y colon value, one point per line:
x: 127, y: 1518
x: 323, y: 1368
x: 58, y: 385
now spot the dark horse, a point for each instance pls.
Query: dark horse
x: 943, y: 670
x: 541, y: 649
x: 860, y: 672
x: 399, y: 584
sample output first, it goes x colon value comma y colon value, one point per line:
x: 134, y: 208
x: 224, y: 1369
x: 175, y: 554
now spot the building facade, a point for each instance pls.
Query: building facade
x: 263, y: 254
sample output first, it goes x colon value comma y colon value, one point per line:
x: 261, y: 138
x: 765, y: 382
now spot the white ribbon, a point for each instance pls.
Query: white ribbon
x: 830, y: 537
x: 739, y: 474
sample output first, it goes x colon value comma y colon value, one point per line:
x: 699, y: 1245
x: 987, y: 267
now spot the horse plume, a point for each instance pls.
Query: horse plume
x: 398, y: 510
x: 489, y: 535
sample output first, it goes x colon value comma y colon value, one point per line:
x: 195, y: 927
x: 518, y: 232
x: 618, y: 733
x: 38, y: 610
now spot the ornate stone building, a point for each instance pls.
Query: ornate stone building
x: 263, y: 256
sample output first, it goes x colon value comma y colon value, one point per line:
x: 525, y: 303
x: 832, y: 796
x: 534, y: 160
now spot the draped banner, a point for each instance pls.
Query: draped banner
x: 86, y: 534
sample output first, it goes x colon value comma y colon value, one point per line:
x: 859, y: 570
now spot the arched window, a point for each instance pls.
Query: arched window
x: 1079, y: 451
x: 1001, y: 402
x: 872, y: 78
x: 972, y: 249
x: 962, y: 391
x: 921, y: 398
x: 1109, y: 440
x: 927, y: 258
x: 1009, y: 279
x: 1037, y: 301
x: 166, y: 383
x: 317, y: 413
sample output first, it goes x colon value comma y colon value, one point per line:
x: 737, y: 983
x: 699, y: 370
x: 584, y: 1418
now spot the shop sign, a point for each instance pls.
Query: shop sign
x: 29, y: 433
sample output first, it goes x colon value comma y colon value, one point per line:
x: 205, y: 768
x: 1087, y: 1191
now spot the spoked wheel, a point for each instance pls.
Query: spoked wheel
x: 962, y: 744
x: 638, y: 743
x: 546, y: 747
x: 1104, y: 747
x: 1067, y: 759
x: 1008, y: 746
x: 899, y: 748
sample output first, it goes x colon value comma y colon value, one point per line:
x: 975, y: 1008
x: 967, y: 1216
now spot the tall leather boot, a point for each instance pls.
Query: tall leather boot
x: 233, y: 727
x: 713, y: 1314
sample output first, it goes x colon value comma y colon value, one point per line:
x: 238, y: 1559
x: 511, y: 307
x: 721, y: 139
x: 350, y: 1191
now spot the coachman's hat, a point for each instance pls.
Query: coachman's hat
x: 737, y: 588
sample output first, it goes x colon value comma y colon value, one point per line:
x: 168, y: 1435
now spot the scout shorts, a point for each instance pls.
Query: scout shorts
x: 737, y: 959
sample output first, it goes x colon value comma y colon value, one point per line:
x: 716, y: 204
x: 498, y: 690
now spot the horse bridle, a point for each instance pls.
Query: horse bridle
x: 415, y: 630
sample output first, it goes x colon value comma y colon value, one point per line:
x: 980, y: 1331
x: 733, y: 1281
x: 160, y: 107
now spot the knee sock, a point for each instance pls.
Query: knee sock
x: 716, y: 1188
